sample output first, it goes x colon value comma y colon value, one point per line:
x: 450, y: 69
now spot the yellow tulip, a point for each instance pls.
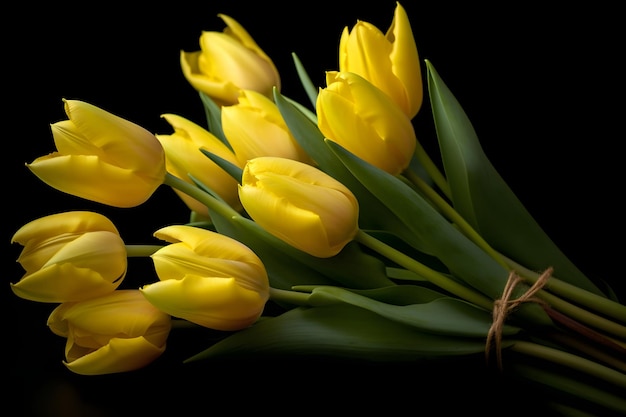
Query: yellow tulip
x: 102, y: 157
x: 228, y: 62
x: 118, y: 332
x: 254, y: 127
x: 69, y: 256
x: 183, y: 158
x: 357, y: 115
x: 208, y: 279
x: 388, y: 60
x: 299, y: 204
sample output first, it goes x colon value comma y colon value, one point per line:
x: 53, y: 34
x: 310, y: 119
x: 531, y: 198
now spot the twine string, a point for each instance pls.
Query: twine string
x: 504, y: 306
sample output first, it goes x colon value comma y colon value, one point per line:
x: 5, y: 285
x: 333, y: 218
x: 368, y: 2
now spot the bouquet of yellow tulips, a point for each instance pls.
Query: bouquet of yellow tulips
x: 332, y: 211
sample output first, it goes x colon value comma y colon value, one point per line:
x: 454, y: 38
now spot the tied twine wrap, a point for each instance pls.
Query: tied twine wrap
x: 505, y: 306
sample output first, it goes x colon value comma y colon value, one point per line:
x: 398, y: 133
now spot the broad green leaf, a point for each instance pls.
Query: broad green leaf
x: 340, y: 331
x: 443, y: 315
x: 482, y: 197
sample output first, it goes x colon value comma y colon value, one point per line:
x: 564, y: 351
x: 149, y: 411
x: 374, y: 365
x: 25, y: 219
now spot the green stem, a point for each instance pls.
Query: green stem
x: 432, y: 170
x: 582, y: 315
x: 289, y: 297
x: 573, y: 293
x: 435, y: 277
x: 183, y: 324
x: 451, y: 214
x: 140, y: 251
x: 593, y: 348
x: 202, y: 196
x: 572, y: 361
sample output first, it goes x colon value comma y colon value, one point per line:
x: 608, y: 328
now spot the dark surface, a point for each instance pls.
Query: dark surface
x: 543, y: 88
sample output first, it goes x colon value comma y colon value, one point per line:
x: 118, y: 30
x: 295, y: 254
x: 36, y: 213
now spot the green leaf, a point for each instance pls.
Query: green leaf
x: 442, y: 315
x: 399, y: 295
x: 340, y: 331
x: 482, y: 197
x: 309, y: 88
x: 213, y: 114
x: 230, y: 168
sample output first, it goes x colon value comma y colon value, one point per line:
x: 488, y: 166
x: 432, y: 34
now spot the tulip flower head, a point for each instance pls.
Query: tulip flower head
x: 183, y: 158
x: 208, y: 279
x: 69, y: 256
x: 118, y: 332
x: 228, y: 62
x: 388, y: 60
x: 102, y: 157
x: 254, y: 127
x: 299, y: 204
x: 360, y: 117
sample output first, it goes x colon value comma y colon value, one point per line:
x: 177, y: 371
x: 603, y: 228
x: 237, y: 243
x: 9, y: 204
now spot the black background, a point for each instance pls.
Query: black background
x: 542, y: 85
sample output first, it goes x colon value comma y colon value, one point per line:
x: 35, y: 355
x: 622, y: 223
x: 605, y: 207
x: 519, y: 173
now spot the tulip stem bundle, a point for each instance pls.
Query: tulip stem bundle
x: 452, y: 215
x: 575, y: 294
x: 422, y: 270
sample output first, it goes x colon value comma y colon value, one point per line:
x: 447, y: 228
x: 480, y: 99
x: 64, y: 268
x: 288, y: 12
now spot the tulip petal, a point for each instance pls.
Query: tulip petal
x: 177, y: 260
x: 120, y: 312
x: 254, y: 127
x: 118, y: 332
x: 364, y: 120
x: 64, y: 283
x: 228, y: 62
x: 405, y: 59
x: 223, y: 91
x: 206, y: 253
x: 224, y: 57
x: 119, y: 355
x: 299, y: 204
x: 216, y: 303
x: 236, y: 30
x: 121, y: 140
x: 74, y: 222
x: 185, y: 160
x: 98, y: 181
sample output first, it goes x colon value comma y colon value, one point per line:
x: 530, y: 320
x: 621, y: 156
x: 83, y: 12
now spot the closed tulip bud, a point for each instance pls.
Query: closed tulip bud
x: 388, y: 60
x: 228, y: 62
x: 357, y: 115
x: 254, y: 127
x: 69, y: 256
x: 183, y: 158
x: 208, y: 279
x: 118, y: 332
x: 299, y: 204
x: 102, y: 157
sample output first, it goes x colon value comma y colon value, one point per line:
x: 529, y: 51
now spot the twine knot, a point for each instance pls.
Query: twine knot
x: 504, y: 306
